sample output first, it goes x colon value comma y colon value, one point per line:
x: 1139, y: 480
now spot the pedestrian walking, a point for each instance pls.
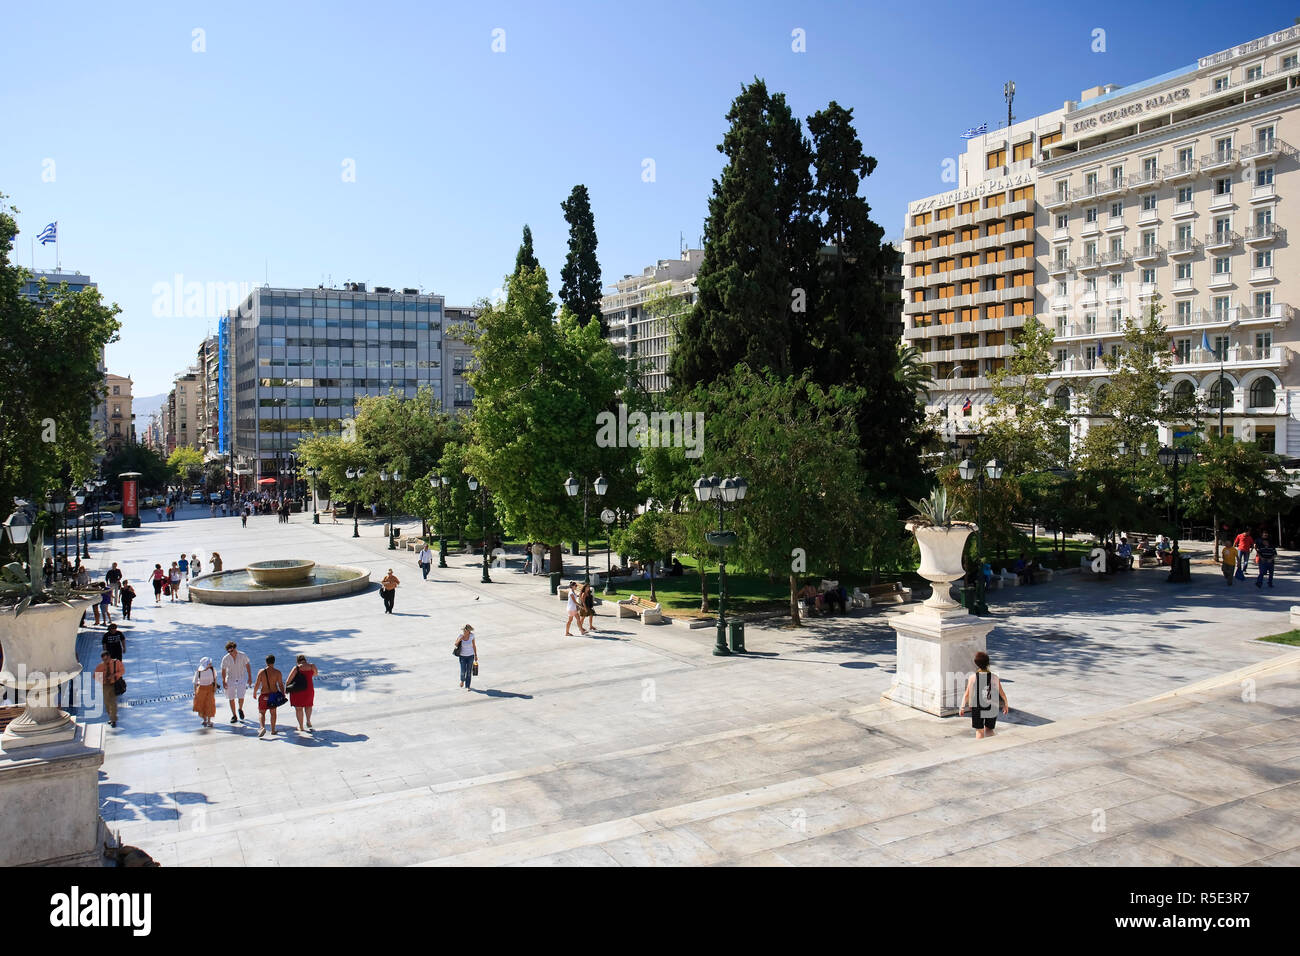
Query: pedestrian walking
x: 114, y: 642
x: 388, y: 590
x: 174, y: 582
x: 983, y: 693
x: 1243, y: 543
x: 1265, y: 554
x: 160, y: 512
x: 236, y: 675
x: 269, y: 691
x: 243, y: 517
x: 216, y: 562
x: 426, y: 560
x: 537, y: 557
x: 572, y: 611
x: 589, y: 606
x: 111, y: 673
x: 114, y: 578
x: 466, y: 650
x: 205, y: 691
x: 171, y: 512
x: 159, y: 577
x: 128, y: 598
x: 1228, y: 561
x: 185, y: 567
x: 100, y: 608
x: 302, y: 689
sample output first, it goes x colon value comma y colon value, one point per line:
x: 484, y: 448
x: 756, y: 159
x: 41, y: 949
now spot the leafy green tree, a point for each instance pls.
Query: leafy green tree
x: 186, y: 464
x: 332, y: 455
x: 1024, y: 428
x: 153, y: 468
x: 646, y: 538
x: 539, y: 385
x: 1236, y: 482
x: 49, y: 378
x: 580, y: 277
x: 796, y: 445
x: 525, y: 259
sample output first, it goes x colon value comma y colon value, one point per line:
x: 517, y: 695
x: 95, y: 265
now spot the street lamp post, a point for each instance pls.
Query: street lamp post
x: 57, y: 504
x: 608, y: 517
x: 439, y: 484
x: 1172, y: 458
x: 390, y: 480
x: 571, y: 488
x: 99, y: 495
x: 79, y: 541
x: 725, y: 491
x: 968, y: 471
x: 358, y: 474
x: 311, y: 477
x: 483, y: 495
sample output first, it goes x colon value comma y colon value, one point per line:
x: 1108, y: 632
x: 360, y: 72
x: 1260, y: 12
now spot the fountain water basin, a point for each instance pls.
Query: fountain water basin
x: 279, y: 582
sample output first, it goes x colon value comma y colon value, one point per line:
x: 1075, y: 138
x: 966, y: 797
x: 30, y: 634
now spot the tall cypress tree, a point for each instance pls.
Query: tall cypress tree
x: 525, y: 259
x: 759, y: 247
x: 580, y: 277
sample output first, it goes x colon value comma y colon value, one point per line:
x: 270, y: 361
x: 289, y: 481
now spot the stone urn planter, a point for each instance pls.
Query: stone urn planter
x: 40, y: 655
x: 941, y: 551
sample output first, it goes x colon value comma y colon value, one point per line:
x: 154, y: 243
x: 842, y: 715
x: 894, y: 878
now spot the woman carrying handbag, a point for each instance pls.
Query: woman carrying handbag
x: 302, y: 690
x: 205, y: 691
x: 467, y: 652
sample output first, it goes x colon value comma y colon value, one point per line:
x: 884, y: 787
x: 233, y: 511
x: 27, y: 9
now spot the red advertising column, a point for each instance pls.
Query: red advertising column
x: 130, y: 499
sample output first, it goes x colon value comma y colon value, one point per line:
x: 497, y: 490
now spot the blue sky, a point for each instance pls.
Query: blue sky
x: 227, y: 165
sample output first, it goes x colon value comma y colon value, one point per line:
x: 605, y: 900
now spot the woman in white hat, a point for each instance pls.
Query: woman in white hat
x: 205, y: 691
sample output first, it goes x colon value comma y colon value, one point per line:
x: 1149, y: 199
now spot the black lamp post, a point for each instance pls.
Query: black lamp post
x: 724, y: 491
x: 99, y: 496
x: 439, y: 484
x: 608, y: 517
x: 358, y: 474
x: 311, y: 477
x: 57, y: 504
x: 968, y: 471
x: 483, y: 495
x: 391, y: 479
x: 1172, y: 458
x: 600, y: 485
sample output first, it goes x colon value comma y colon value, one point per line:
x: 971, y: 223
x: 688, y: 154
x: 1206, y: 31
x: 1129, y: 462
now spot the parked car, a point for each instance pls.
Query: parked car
x: 196, y: 497
x: 99, y: 517
x: 111, y: 505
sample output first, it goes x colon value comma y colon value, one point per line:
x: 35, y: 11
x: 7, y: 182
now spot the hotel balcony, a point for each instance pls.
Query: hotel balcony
x: 1222, y: 239
x: 1148, y: 252
x: 1262, y: 193
x: 1262, y: 274
x: 1111, y: 187
x: 1268, y: 150
x: 1088, y: 191
x: 1184, y: 285
x: 1278, y: 312
x: 1086, y: 330
x: 1220, y: 159
x: 1261, y: 235
x: 1113, y: 259
x: 1145, y: 179
x: 1239, y: 356
x: 1184, y: 169
x: 1059, y: 267
x: 1183, y: 247
x: 1060, y: 199
x: 1086, y: 263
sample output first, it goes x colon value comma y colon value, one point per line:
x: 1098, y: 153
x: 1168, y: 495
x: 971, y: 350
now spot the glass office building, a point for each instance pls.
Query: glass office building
x: 302, y: 358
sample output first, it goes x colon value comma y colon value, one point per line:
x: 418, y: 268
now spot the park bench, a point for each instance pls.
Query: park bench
x: 1009, y: 578
x: 892, y: 593
x: 648, y: 611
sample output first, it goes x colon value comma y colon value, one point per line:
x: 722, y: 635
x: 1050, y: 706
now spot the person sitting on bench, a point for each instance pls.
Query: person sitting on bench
x: 1024, y: 570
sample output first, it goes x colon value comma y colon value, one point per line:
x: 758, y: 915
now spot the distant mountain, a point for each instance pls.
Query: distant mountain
x: 143, y: 407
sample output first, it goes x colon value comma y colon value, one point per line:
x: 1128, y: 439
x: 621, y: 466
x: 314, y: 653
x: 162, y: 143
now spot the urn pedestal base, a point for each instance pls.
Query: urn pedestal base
x: 50, y: 796
x: 936, y: 646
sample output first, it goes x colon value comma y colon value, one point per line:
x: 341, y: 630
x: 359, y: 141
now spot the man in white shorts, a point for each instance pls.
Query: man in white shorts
x: 236, y: 675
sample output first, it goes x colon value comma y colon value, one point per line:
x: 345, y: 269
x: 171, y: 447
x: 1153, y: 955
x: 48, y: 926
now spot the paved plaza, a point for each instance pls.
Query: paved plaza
x: 1146, y: 727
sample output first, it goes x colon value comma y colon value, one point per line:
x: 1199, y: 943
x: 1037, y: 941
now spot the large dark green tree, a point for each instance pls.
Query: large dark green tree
x: 759, y: 243
x: 580, y: 277
x: 49, y: 378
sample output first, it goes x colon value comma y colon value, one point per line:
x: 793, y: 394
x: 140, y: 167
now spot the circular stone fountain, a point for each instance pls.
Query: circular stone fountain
x: 286, y: 581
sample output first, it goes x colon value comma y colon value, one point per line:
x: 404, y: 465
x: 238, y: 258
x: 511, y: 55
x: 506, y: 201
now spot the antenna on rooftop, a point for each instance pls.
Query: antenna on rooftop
x: 1009, y: 91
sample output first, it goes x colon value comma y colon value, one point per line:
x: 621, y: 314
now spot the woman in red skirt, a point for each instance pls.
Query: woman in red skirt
x: 302, y: 699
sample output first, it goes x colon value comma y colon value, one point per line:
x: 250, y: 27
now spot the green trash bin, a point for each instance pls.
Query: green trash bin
x: 737, y: 636
x: 555, y: 582
x: 1181, y: 569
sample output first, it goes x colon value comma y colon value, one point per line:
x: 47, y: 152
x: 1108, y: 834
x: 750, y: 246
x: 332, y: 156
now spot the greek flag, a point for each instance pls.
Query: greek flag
x: 975, y: 131
x: 49, y: 234
x: 1205, y: 342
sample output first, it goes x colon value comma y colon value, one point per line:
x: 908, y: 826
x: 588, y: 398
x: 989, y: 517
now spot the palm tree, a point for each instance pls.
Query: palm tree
x: 912, y: 371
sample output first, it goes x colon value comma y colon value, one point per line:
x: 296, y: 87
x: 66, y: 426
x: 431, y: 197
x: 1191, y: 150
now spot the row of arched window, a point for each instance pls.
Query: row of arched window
x: 1263, y: 393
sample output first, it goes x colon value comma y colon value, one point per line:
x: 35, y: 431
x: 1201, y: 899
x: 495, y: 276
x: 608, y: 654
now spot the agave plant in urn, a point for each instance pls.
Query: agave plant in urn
x: 38, y: 633
x: 941, y: 537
